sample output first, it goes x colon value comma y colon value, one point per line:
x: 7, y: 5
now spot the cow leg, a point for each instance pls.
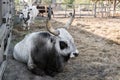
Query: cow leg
x: 52, y: 13
x: 33, y: 18
x: 28, y: 27
x: 51, y: 73
x: 30, y: 63
x: 42, y: 15
x: 33, y: 68
x: 38, y: 71
x: 24, y: 26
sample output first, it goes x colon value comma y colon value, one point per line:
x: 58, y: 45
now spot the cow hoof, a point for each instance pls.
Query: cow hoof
x: 31, y: 66
x: 51, y: 73
x: 38, y: 71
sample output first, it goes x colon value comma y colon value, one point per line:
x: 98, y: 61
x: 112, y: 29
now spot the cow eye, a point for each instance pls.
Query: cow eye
x: 28, y: 12
x: 63, y: 45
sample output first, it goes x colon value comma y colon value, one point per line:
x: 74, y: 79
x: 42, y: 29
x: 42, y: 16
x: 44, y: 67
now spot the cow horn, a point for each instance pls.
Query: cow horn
x: 72, y: 16
x: 50, y: 28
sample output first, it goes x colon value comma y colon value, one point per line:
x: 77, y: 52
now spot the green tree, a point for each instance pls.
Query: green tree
x: 68, y: 1
x: 82, y: 1
x: 46, y: 1
x: 16, y: 1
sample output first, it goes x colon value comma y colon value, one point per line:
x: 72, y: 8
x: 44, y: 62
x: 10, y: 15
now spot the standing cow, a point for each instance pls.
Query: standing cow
x: 44, y: 9
x: 28, y: 15
x: 46, y: 52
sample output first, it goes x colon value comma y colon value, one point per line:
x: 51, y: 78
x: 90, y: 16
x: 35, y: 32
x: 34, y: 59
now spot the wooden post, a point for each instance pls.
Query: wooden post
x: 114, y: 5
x: 102, y: 7
x: 73, y: 7
x: 1, y: 12
x: 5, y: 34
x: 2, y: 69
x: 80, y: 10
x: 1, y: 56
x: 66, y: 9
x: 6, y: 13
x: 95, y: 7
x: 108, y: 9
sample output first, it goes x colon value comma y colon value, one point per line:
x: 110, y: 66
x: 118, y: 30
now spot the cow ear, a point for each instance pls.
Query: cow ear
x: 63, y: 45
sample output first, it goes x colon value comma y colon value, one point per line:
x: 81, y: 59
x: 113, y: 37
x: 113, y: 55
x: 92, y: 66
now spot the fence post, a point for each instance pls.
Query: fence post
x: 0, y: 12
x: 66, y: 9
x: 95, y: 7
x: 6, y: 23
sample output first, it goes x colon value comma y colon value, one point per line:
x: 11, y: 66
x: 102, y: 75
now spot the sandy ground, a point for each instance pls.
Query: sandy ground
x: 98, y: 41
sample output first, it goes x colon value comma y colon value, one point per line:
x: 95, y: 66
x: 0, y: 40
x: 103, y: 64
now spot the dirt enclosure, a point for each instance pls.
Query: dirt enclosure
x: 98, y: 42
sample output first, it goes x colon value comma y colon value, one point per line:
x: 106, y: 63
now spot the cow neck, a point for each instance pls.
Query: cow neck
x: 26, y: 19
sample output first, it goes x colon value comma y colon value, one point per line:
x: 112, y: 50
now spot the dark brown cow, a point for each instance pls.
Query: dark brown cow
x: 44, y: 9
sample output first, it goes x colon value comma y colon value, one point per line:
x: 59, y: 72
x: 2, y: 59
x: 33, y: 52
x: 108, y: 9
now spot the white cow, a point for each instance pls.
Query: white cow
x: 28, y: 15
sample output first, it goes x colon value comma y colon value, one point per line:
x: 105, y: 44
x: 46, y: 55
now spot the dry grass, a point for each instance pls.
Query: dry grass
x: 98, y: 43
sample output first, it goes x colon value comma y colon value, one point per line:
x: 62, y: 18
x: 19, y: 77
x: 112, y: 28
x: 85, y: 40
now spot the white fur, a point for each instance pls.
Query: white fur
x: 33, y: 14
x: 66, y: 37
x: 23, y: 48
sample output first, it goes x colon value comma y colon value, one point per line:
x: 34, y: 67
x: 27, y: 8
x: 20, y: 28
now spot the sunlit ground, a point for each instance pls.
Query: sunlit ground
x: 98, y: 42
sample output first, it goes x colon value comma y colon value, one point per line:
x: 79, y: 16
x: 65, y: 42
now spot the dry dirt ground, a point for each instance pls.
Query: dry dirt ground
x: 98, y: 42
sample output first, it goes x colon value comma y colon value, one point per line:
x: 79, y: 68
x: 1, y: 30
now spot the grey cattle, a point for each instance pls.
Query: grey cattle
x: 46, y: 52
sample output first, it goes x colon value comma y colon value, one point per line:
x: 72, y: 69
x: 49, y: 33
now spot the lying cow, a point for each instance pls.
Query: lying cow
x: 44, y: 9
x: 28, y: 16
x: 46, y: 52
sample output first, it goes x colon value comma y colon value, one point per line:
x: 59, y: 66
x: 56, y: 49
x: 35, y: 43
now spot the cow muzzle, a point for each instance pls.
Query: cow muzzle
x: 74, y: 54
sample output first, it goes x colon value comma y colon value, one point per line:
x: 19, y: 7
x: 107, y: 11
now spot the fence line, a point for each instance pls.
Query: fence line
x: 6, y: 24
x: 93, y: 9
